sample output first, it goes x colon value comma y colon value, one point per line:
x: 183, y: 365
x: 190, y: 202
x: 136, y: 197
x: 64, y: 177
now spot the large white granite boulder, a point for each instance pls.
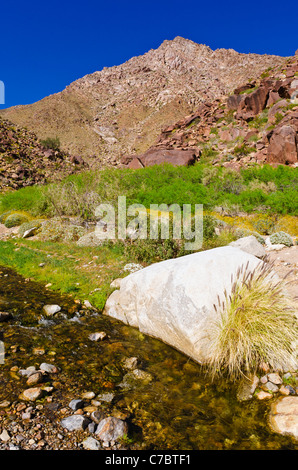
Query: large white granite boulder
x: 174, y: 300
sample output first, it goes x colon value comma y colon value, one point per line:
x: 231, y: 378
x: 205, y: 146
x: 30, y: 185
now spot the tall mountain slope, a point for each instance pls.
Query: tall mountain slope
x: 257, y: 123
x: 24, y: 161
x: 122, y: 109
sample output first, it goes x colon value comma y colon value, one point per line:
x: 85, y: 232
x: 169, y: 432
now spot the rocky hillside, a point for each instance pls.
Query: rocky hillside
x: 24, y: 161
x: 256, y: 123
x: 122, y: 109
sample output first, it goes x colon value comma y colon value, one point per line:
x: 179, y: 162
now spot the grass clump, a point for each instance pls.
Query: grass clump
x: 257, y: 324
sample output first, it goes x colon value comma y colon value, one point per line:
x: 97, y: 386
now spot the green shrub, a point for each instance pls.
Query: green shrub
x: 4, y: 216
x: 51, y: 143
x: 15, y: 219
x: 281, y: 238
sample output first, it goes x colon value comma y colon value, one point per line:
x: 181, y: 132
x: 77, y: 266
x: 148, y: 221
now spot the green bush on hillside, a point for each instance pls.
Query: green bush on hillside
x: 14, y: 220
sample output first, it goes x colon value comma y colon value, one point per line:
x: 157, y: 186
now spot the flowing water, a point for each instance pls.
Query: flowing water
x: 177, y: 406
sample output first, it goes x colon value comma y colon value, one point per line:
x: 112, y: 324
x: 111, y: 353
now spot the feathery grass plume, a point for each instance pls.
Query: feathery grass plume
x: 257, y: 324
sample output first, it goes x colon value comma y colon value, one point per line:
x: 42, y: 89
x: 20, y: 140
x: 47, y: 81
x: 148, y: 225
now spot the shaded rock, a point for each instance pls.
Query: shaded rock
x: 252, y: 104
x: 97, y: 416
x: 282, y: 148
x: 76, y: 404
x: 247, y: 388
x: 157, y: 156
x: 5, y: 316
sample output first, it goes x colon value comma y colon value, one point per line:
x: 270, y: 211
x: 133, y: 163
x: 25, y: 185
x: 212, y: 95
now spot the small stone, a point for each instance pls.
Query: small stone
x: 88, y: 395
x: 27, y: 372
x: 264, y: 379
x: 31, y: 394
x: 275, y: 379
x: 90, y: 409
x: 291, y: 390
x: 5, y: 404
x: 130, y: 363
x: 38, y: 351
x: 50, y: 310
x: 284, y: 390
x: 263, y: 395
x: 76, y: 404
x: 91, y: 444
x: 75, y: 422
x: 26, y: 416
x: 4, y: 436
x: 111, y: 429
x: 97, y: 336
x: 87, y: 304
x: 270, y: 387
x: 107, y: 397
x: 49, y: 368
x: 35, y: 378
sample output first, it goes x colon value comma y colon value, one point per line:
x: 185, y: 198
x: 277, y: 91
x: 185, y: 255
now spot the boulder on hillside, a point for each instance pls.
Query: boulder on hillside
x: 174, y: 300
x: 253, y: 104
x: 283, y: 146
x: 157, y: 156
x: 250, y: 245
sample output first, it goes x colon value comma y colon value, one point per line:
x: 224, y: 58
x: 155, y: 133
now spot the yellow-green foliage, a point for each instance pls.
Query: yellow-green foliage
x: 256, y: 324
x: 14, y: 219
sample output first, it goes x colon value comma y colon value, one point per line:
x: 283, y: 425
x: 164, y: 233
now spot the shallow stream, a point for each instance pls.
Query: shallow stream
x: 177, y: 406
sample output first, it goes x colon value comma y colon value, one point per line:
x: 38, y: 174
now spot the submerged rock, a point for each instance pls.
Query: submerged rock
x: 284, y: 416
x: 111, y: 429
x: 50, y: 310
x: 174, y: 300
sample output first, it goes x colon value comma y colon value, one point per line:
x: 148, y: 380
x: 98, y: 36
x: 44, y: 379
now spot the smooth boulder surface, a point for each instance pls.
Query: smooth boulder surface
x: 174, y: 300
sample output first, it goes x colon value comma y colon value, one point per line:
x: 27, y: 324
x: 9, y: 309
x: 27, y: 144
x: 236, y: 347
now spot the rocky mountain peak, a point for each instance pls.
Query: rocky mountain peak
x: 122, y: 109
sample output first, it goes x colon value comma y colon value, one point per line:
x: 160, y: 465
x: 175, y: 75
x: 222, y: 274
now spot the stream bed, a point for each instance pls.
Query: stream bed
x: 172, y: 403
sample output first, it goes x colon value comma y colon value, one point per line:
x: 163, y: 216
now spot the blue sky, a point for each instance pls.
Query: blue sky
x: 47, y: 45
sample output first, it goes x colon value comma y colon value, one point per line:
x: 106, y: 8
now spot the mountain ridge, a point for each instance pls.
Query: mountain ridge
x: 122, y: 109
